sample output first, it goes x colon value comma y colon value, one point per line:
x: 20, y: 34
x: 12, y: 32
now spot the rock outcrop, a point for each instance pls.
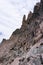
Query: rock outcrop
x: 25, y: 46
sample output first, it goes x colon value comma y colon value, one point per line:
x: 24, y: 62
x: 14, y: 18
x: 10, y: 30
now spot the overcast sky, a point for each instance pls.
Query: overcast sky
x: 11, y: 13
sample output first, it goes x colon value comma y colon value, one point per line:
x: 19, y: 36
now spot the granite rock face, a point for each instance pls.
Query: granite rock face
x: 25, y: 46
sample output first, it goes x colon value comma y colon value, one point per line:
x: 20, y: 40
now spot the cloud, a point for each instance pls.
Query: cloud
x: 11, y: 13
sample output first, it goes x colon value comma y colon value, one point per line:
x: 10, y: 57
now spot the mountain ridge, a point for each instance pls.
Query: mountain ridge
x: 25, y: 46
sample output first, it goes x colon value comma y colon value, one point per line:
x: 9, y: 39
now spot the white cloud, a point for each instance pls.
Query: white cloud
x: 11, y: 13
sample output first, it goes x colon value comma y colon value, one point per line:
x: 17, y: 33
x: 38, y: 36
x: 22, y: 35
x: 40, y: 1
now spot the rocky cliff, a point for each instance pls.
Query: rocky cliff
x: 25, y: 46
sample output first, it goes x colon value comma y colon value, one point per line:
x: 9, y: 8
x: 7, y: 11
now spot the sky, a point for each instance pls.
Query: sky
x: 11, y: 14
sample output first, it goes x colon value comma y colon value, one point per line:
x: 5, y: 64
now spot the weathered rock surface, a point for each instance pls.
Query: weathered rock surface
x: 25, y: 46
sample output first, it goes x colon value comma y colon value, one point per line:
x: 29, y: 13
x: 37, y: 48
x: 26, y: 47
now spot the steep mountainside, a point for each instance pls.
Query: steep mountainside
x: 25, y: 46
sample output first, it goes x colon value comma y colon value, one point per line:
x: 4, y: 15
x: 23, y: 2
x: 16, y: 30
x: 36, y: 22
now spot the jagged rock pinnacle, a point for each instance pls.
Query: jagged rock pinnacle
x: 36, y: 9
x: 42, y: 1
x: 42, y: 4
x: 24, y: 18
